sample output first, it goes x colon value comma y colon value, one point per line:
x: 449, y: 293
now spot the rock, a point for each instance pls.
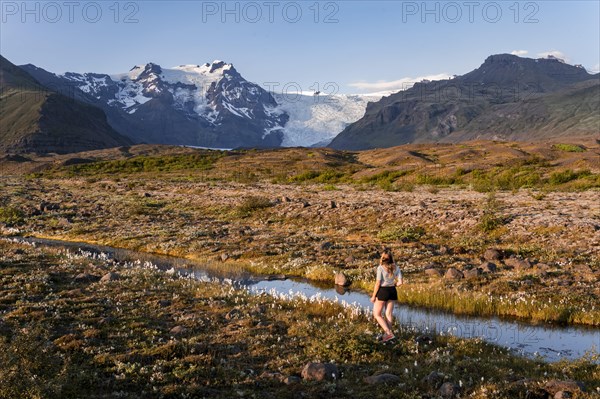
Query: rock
x: 325, y: 246
x: 472, y: 273
x: 320, y: 372
x: 233, y: 314
x: 517, y: 263
x: 434, y: 379
x: 47, y: 206
x: 109, y: 277
x: 449, y: 390
x: 305, y: 204
x: 571, y: 386
x: 492, y: 255
x: 443, y: 250
x: 273, y: 277
x: 178, y: 330
x: 285, y: 199
x: 292, y: 379
x: 147, y: 195
x: 258, y: 310
x: 340, y: 289
x: 424, y: 339
x: 542, y: 267
x: 341, y: 279
x: 453, y: 274
x: 86, y: 278
x: 224, y: 257
x: 382, y: 379
x: 106, y: 320
x: 270, y: 375
x: 163, y: 303
x: 349, y: 259
x: 488, y: 267
x: 433, y: 272
x: 563, y: 395
x: 332, y: 205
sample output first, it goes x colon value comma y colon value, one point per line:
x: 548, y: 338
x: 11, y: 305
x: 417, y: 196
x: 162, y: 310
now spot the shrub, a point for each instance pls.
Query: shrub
x: 437, y: 180
x: 143, y: 163
x: 566, y: 176
x: 11, y: 216
x: 568, y: 147
x: 401, y: 233
x: 252, y: 204
x: 325, y: 176
x: 491, y: 218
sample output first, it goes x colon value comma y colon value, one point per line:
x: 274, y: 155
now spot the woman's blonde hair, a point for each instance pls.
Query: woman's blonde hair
x: 387, y: 260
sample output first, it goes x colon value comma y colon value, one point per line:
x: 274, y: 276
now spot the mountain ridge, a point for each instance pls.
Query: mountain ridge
x: 506, y: 98
x: 37, y: 119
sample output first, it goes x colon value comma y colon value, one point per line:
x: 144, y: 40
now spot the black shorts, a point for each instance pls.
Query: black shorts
x: 387, y: 294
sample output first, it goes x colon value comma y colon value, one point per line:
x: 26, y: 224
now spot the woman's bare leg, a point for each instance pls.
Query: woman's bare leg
x: 377, y: 309
x: 389, y: 313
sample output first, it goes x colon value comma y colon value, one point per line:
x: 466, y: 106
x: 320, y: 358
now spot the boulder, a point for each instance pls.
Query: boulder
x: 433, y: 272
x: 233, y: 314
x: 270, y: 375
x: 449, y: 390
x: 86, y: 278
x: 47, y: 206
x: 488, y: 267
x: 224, y: 257
x: 320, y: 372
x: 382, y: 379
x: 341, y: 279
x: 492, y: 255
x: 163, y: 303
x: 443, y: 250
x: 290, y: 380
x: 424, y: 339
x: 178, y: 330
x: 273, y: 277
x: 517, y: 263
x: 472, y: 273
x: 434, y: 379
x: 332, y: 204
x: 563, y: 395
x: 109, y: 277
x: 571, y: 386
x: 341, y: 290
x: 453, y: 274
x: 325, y: 246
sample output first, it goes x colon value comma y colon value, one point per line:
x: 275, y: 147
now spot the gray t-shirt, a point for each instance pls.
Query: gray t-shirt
x: 387, y: 279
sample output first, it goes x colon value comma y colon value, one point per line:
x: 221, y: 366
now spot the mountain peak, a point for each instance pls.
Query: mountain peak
x: 217, y: 65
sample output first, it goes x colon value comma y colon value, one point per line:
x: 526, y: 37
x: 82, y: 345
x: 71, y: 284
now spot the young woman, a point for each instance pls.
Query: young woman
x: 384, y: 295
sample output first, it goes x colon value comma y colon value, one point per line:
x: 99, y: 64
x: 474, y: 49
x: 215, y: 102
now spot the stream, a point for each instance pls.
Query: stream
x: 550, y: 342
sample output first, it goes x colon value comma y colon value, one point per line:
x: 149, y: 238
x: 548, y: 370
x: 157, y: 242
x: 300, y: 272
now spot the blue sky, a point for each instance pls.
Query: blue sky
x: 357, y: 45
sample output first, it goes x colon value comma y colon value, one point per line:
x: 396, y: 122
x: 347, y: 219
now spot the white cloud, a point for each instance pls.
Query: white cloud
x: 554, y: 53
x: 392, y: 86
x: 520, y: 53
x: 594, y: 69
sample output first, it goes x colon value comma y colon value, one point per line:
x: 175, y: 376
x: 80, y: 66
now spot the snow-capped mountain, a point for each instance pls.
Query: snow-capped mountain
x: 208, y: 105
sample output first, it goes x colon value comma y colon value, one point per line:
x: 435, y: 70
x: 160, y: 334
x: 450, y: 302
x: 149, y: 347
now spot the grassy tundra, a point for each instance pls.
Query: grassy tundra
x: 313, y: 212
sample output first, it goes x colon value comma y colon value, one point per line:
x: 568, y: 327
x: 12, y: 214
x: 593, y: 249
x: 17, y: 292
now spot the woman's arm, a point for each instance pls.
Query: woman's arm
x: 399, y: 279
x: 377, y: 285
